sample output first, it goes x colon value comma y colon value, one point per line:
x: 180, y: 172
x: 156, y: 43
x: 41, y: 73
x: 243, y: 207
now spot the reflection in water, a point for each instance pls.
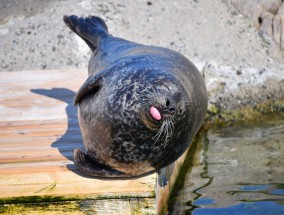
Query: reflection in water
x: 235, y: 171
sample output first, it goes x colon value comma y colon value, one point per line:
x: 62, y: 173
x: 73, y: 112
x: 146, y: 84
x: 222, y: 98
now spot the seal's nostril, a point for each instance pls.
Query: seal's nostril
x: 168, y: 102
x: 171, y: 110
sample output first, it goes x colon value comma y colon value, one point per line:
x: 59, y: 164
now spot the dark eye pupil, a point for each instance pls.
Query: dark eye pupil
x: 168, y: 102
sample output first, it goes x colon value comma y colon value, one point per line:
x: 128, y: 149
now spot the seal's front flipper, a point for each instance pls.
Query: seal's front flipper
x: 91, y: 29
x: 91, y: 86
x: 93, y: 168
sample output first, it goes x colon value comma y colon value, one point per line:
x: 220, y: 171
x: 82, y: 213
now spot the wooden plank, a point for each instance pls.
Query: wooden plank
x: 38, y: 133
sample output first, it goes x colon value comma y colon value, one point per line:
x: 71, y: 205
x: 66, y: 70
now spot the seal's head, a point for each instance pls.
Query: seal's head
x: 164, y: 106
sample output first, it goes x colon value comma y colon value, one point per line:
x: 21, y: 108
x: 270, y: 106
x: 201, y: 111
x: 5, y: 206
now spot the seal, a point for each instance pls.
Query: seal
x: 140, y: 107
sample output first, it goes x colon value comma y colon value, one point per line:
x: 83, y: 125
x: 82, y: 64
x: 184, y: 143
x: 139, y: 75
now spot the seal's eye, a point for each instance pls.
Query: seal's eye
x: 154, y: 112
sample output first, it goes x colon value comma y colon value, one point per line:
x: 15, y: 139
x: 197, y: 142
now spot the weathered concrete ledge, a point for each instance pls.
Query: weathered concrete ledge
x: 243, y: 94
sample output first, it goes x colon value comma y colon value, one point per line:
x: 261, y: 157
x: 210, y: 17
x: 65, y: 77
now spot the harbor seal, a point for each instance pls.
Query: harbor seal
x: 140, y: 107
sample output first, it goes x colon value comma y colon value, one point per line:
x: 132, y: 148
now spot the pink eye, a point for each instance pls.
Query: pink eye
x: 155, y: 113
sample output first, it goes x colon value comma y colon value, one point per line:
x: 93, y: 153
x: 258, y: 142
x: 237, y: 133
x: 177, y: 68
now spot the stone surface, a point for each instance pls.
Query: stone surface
x: 266, y: 16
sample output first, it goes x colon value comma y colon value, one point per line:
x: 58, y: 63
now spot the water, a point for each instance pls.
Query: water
x: 234, y: 170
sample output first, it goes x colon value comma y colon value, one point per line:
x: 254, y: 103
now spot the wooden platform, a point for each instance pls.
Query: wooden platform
x: 38, y: 133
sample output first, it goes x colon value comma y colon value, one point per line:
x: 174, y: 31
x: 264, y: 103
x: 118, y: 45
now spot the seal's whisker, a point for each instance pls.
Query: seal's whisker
x: 159, y: 133
x: 156, y: 95
x: 147, y: 99
x: 146, y: 92
x: 152, y: 88
x: 161, y: 100
x: 186, y: 102
x: 150, y: 92
x: 171, y: 127
x: 167, y: 133
x: 144, y: 103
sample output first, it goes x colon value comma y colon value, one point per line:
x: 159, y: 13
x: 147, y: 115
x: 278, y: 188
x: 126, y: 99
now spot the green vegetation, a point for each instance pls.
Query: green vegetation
x: 246, y: 115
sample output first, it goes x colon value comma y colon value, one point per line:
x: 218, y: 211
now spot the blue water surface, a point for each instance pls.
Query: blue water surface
x: 250, y: 208
x: 235, y: 171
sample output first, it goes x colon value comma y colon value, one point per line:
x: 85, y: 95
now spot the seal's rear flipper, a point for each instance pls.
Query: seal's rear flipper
x: 91, y: 167
x: 91, y: 29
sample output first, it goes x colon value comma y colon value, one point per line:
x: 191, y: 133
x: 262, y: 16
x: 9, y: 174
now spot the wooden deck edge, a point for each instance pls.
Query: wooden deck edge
x: 125, y: 206
x: 62, y: 198
x: 163, y: 191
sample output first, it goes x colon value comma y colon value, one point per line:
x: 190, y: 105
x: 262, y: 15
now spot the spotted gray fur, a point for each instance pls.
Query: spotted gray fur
x: 126, y: 79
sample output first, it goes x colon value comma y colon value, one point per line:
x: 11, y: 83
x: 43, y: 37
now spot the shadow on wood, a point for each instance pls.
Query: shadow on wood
x: 72, y: 138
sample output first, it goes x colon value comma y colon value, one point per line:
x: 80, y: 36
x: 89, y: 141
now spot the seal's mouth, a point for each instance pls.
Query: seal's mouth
x: 151, y: 120
x: 163, y: 124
